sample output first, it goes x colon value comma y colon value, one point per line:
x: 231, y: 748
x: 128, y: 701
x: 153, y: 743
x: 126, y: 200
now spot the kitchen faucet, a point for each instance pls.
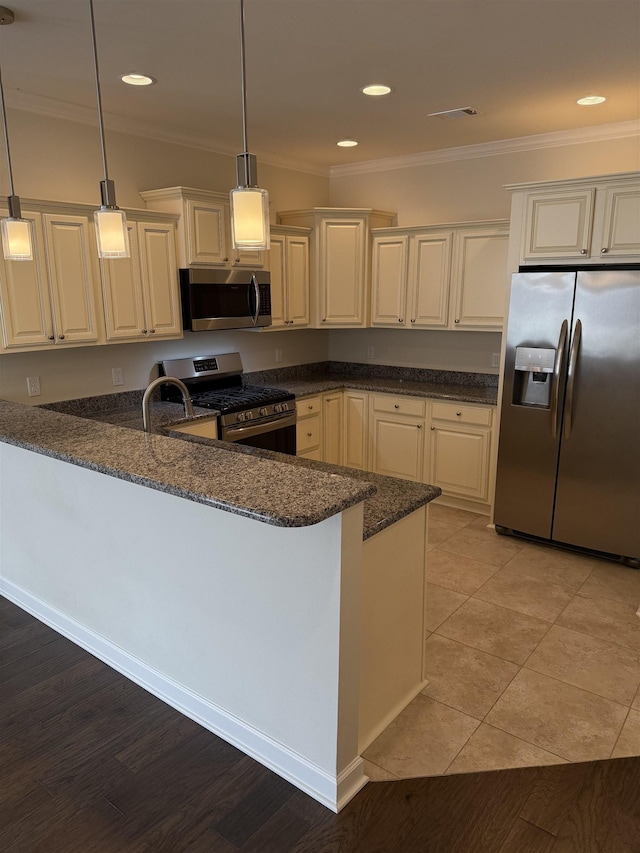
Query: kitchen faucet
x: 151, y: 387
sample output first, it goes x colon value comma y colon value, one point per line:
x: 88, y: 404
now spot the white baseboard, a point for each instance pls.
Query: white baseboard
x: 332, y: 792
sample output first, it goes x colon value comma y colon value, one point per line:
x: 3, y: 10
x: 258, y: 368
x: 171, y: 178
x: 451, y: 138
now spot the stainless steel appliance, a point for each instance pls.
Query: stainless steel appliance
x: 569, y: 448
x: 248, y: 414
x: 224, y: 299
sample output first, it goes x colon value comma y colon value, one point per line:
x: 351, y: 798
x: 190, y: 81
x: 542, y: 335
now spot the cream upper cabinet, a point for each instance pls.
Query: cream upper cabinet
x: 289, y: 267
x: 460, y: 449
x: 397, y: 436
x: 586, y: 220
x: 445, y: 277
x: 51, y: 301
x: 480, y: 277
x: 340, y: 245
x: 204, y: 229
x: 141, y: 295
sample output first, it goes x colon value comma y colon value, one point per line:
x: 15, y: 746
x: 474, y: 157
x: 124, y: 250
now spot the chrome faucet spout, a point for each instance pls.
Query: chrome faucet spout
x: 151, y: 387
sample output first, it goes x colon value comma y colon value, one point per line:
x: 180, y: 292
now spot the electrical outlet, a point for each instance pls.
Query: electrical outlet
x: 33, y: 386
x: 370, y: 352
x: 116, y: 375
x: 495, y: 359
x: 278, y: 356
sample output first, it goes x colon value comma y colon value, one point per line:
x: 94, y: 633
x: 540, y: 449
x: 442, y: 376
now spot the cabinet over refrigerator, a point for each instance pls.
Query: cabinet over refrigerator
x: 569, y: 447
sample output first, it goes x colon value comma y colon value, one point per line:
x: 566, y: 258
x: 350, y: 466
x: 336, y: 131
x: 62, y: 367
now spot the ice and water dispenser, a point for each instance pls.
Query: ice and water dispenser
x: 533, y: 376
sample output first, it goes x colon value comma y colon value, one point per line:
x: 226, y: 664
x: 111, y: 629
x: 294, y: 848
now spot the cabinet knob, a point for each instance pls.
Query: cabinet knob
x: 324, y: 319
x: 152, y: 331
x: 432, y: 427
x: 60, y: 337
x: 413, y: 319
x: 603, y: 251
x: 52, y: 337
x: 225, y: 260
x: 419, y: 426
x: 583, y: 251
x: 309, y: 434
x: 400, y: 319
x: 236, y: 260
x: 396, y: 405
x: 458, y: 414
x: 310, y: 408
x: 144, y: 331
x: 456, y: 320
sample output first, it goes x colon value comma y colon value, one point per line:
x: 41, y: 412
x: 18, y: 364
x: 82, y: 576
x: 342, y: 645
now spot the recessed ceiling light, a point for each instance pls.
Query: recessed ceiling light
x: 138, y: 79
x: 590, y: 100
x: 376, y: 89
x: 347, y: 143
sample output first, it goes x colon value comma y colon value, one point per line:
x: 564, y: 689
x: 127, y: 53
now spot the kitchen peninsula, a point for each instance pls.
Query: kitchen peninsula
x: 236, y: 587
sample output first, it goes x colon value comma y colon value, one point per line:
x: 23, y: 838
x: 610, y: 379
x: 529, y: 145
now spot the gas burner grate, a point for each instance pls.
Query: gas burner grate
x: 241, y: 397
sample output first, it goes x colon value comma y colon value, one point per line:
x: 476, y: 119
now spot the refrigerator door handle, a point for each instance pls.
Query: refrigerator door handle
x: 571, y: 377
x: 562, y: 343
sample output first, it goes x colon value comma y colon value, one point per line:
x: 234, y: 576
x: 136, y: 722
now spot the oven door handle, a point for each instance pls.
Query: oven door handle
x: 235, y: 433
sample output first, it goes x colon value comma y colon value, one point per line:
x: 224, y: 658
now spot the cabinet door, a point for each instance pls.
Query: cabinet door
x: 460, y: 460
x: 558, y: 224
x: 342, y: 244
x: 122, y: 294
x: 389, y: 281
x: 430, y: 277
x: 206, y: 233
x: 277, y: 256
x: 621, y: 229
x: 24, y: 295
x: 397, y: 446
x: 250, y: 258
x: 72, y: 265
x: 356, y: 429
x: 332, y: 428
x: 159, y: 271
x: 480, y: 279
x: 297, y: 278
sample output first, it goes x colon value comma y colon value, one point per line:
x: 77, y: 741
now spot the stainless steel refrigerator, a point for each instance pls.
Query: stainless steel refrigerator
x: 569, y: 445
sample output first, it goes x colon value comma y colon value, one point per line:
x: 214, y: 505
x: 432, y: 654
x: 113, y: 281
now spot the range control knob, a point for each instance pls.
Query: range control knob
x: 240, y: 416
x: 284, y: 407
x: 263, y: 412
x: 277, y: 407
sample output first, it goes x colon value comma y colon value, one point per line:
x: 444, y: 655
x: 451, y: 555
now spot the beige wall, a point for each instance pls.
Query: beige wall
x: 471, y: 189
x: 61, y: 160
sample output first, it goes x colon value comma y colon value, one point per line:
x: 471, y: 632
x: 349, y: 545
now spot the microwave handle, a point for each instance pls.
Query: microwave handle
x: 256, y: 291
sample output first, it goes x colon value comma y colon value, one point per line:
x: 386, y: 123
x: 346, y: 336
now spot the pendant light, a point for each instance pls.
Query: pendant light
x: 249, y: 203
x: 16, y: 231
x: 110, y: 221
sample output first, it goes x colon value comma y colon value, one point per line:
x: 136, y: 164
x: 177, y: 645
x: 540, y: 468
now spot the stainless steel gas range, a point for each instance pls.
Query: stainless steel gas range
x: 248, y: 414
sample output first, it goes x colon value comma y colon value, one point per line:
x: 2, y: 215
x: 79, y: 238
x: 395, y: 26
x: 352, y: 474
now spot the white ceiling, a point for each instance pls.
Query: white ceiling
x: 522, y: 63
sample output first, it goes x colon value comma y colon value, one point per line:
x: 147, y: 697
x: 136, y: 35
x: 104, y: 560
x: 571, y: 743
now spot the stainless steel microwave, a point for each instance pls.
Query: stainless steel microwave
x: 225, y: 299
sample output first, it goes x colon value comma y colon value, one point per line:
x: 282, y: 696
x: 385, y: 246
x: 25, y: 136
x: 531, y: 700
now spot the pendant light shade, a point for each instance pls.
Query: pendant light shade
x: 249, y: 203
x: 17, y: 244
x: 111, y: 223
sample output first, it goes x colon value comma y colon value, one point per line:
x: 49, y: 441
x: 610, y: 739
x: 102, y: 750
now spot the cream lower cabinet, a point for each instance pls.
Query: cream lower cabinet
x: 355, y: 438
x: 289, y: 268
x: 397, y: 436
x: 332, y: 425
x: 141, y: 295
x: 309, y: 427
x: 586, y: 220
x: 460, y: 450
x: 51, y: 301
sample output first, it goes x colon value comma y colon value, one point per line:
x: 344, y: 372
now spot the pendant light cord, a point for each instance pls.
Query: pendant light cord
x: 244, y: 90
x: 98, y: 96
x: 6, y: 137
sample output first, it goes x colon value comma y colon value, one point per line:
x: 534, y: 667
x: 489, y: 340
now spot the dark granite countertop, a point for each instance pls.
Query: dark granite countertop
x: 281, y: 490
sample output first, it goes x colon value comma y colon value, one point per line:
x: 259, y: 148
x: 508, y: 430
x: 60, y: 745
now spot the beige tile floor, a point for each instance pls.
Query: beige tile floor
x: 532, y: 656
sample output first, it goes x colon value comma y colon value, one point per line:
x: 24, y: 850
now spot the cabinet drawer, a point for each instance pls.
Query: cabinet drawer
x: 396, y: 404
x: 461, y: 414
x: 307, y: 434
x: 308, y: 406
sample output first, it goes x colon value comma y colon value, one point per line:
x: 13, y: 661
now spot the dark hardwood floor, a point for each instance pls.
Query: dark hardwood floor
x: 91, y: 762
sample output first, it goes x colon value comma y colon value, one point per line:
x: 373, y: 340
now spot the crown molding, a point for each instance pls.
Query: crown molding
x: 135, y: 127
x: 598, y: 133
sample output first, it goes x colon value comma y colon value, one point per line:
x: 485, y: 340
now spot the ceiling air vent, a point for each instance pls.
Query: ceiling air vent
x: 461, y: 112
